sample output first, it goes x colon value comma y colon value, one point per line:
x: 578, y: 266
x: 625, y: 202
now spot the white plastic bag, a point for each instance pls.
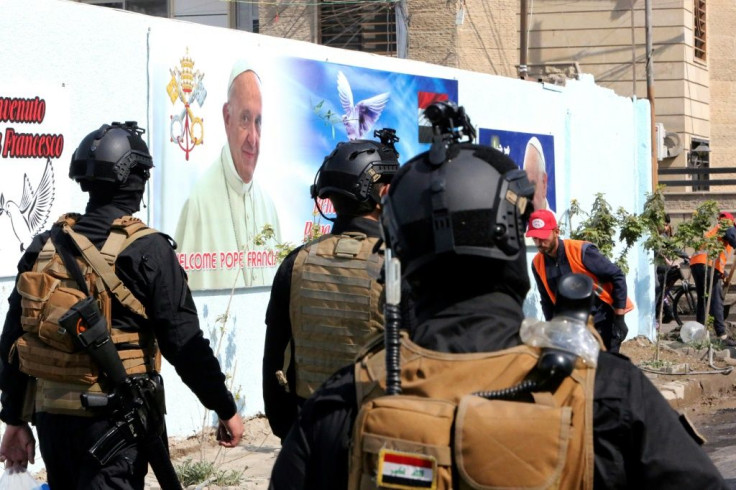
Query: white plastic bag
x: 693, y: 332
x: 20, y: 479
x: 568, y: 334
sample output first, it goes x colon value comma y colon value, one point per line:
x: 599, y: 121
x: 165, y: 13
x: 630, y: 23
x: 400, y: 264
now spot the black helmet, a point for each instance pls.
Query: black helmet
x: 457, y: 199
x: 110, y: 154
x: 354, y: 167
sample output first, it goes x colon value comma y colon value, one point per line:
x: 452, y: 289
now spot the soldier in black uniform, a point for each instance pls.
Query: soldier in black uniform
x: 325, y: 333
x: 112, y: 165
x: 455, y: 216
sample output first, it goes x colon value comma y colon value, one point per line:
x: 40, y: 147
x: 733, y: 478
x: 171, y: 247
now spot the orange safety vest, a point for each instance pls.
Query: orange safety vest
x: 700, y: 256
x: 574, y: 254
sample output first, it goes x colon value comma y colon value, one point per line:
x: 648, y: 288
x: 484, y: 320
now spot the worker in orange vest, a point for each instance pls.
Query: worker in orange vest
x: 558, y: 257
x: 698, y: 269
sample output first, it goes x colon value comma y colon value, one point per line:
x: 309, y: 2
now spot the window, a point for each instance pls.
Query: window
x: 699, y: 29
x: 700, y: 161
x: 158, y: 8
x: 241, y: 15
x: 359, y: 25
x: 246, y: 16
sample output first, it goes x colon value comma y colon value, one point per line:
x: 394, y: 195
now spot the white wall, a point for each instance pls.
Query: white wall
x: 99, y: 56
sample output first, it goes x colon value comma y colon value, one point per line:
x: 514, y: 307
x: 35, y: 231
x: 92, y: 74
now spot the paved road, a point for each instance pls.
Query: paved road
x: 719, y: 428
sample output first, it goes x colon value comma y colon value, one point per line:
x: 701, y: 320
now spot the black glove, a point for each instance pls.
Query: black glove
x: 620, y: 330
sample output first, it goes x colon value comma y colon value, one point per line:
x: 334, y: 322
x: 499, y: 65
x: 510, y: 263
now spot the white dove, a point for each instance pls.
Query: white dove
x: 29, y: 217
x: 359, y: 118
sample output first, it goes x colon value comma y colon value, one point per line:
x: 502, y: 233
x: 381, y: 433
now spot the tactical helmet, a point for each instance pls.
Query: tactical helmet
x: 110, y: 154
x: 457, y: 199
x: 354, y: 167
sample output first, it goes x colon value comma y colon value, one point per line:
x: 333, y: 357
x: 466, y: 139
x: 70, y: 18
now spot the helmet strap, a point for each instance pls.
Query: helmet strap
x: 319, y: 208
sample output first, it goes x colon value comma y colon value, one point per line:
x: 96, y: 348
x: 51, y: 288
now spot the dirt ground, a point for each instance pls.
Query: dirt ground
x: 682, y: 358
x: 643, y: 353
x: 252, y: 459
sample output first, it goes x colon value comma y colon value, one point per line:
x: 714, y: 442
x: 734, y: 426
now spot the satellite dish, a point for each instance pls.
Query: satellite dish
x: 673, y: 144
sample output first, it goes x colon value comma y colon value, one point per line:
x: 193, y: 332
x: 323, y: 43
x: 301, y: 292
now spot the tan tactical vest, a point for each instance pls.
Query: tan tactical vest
x: 62, y: 371
x: 417, y: 439
x: 335, y: 305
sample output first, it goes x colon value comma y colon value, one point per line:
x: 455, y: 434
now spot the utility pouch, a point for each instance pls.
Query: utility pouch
x: 29, y: 400
x: 44, y: 300
x: 525, y: 443
x: 38, y: 359
x: 404, y: 442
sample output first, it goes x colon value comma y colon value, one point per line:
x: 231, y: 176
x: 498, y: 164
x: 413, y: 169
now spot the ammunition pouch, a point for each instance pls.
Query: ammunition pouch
x: 44, y: 300
x: 40, y: 360
x: 64, y: 398
x: 407, y: 434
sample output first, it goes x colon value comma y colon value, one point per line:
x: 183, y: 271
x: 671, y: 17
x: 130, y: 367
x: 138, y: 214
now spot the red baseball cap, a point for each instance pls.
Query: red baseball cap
x: 725, y: 215
x: 541, y: 224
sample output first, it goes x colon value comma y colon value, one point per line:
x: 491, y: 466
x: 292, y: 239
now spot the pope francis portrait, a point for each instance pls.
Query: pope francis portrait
x: 227, y: 209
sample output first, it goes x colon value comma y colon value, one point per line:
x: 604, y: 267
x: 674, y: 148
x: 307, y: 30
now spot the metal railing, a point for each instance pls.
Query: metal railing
x: 700, y: 177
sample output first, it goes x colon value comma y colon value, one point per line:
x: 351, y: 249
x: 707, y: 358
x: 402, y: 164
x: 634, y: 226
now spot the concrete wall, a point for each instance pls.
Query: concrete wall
x: 108, y: 79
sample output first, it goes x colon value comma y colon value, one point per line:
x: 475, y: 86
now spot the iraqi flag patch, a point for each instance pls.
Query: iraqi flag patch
x: 398, y: 469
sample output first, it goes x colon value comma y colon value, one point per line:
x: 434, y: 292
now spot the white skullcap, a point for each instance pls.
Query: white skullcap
x: 240, y: 67
x: 537, y: 145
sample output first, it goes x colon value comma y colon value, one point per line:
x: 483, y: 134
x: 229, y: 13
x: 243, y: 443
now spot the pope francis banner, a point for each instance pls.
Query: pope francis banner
x: 244, y: 140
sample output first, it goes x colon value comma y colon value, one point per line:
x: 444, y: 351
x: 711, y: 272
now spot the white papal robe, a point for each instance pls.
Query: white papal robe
x: 221, y: 219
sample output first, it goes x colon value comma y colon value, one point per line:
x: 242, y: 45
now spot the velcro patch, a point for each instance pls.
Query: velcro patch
x: 398, y: 469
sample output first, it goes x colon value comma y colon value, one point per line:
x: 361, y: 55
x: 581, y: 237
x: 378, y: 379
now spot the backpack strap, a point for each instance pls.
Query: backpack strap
x: 123, y: 232
x: 49, y: 249
x: 103, y: 264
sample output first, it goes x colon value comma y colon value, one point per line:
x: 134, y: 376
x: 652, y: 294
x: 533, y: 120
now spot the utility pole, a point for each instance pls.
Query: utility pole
x: 523, y: 36
x: 650, y: 87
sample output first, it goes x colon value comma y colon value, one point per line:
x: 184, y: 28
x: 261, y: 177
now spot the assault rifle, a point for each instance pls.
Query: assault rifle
x: 135, y: 405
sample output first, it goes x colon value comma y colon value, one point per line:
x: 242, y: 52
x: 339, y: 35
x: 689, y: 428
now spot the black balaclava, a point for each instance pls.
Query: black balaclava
x: 458, y: 277
x: 468, y: 304
x: 126, y: 197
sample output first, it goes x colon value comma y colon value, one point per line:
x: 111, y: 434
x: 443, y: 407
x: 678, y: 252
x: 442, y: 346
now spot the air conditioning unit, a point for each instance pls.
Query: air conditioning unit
x: 672, y: 144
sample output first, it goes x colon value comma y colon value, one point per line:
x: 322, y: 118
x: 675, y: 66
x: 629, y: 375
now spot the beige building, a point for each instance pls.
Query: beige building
x: 693, y: 52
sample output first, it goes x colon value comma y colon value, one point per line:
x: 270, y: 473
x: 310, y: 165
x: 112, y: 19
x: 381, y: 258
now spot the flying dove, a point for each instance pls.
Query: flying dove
x: 29, y: 217
x: 359, y: 118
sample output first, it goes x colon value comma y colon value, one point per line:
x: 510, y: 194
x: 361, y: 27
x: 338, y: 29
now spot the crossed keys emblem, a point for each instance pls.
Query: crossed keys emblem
x: 186, y: 129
